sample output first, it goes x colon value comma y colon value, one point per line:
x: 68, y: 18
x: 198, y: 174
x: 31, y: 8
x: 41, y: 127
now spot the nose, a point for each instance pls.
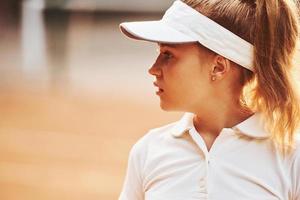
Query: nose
x: 155, y: 70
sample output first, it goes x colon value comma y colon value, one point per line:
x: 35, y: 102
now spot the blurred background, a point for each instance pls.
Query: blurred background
x: 75, y: 96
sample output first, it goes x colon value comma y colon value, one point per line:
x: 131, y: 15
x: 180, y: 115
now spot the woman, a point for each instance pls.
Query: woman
x: 228, y: 65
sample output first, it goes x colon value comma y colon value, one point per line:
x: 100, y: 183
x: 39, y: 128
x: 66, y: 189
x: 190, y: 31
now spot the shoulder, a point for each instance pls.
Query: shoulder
x: 140, y: 151
x: 153, y: 135
x: 296, y: 153
x: 295, y: 173
x: 165, y: 138
x: 294, y: 159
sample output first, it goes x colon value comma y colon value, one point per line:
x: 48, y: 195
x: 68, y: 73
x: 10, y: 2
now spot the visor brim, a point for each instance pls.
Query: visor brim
x: 154, y: 31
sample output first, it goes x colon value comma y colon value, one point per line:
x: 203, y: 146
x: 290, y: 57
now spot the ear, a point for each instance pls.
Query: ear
x: 220, y: 67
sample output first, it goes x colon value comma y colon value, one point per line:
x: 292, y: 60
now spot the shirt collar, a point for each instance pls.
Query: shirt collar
x: 251, y: 127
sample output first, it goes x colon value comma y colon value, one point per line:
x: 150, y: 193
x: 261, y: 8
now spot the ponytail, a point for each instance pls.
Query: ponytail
x: 275, y: 93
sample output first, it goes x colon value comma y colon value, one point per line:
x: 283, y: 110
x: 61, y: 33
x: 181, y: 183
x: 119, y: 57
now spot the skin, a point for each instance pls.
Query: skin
x: 184, y: 72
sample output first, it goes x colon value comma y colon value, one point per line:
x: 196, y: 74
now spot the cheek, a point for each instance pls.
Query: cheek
x: 185, y: 77
x: 195, y: 87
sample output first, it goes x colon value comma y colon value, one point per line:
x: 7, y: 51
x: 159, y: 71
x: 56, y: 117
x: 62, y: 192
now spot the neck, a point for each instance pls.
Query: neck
x: 212, y: 121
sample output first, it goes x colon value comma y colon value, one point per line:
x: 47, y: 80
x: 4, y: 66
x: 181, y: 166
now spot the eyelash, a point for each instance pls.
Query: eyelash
x: 167, y: 55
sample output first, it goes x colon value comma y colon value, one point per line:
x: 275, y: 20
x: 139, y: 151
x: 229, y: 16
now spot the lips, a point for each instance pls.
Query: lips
x: 159, y: 87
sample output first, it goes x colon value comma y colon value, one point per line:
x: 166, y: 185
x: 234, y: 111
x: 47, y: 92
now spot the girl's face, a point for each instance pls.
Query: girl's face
x: 182, y: 76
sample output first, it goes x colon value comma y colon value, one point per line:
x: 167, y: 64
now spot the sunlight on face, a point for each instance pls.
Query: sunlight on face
x: 182, y: 75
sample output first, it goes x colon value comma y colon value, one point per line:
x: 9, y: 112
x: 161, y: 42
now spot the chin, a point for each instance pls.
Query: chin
x: 164, y: 106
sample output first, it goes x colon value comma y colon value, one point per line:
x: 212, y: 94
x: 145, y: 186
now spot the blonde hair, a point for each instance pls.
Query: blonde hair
x: 272, y: 27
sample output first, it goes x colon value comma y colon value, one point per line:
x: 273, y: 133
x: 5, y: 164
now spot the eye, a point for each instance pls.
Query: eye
x: 167, y: 55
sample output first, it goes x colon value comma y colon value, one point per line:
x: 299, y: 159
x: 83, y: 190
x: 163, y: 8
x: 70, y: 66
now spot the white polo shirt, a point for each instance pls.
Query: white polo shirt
x: 173, y: 163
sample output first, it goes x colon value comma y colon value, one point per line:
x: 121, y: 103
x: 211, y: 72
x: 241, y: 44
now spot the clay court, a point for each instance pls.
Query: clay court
x: 75, y: 96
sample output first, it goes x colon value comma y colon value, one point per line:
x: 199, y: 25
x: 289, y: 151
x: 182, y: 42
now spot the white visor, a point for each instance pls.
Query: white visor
x: 183, y: 24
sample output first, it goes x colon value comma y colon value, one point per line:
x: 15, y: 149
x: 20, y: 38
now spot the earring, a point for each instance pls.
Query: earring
x: 213, y: 78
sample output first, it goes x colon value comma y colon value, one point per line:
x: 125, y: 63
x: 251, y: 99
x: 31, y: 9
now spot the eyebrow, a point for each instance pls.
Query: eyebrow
x: 172, y: 46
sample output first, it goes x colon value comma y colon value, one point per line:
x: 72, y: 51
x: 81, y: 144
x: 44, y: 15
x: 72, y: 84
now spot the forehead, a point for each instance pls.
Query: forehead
x: 175, y: 46
x: 179, y: 47
x: 168, y: 45
x: 186, y: 47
